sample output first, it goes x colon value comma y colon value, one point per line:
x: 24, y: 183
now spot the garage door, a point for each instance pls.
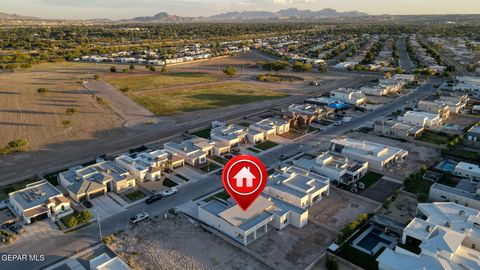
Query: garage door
x: 39, y: 217
x: 96, y: 194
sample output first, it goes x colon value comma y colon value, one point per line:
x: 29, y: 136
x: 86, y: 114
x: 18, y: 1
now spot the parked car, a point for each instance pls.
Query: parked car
x: 154, y: 198
x: 87, y: 204
x: 347, y: 119
x: 168, y: 192
x: 139, y: 218
x: 337, y: 123
x: 16, y: 228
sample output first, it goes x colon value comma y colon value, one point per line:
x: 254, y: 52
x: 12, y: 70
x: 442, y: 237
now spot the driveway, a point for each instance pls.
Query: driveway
x: 106, y: 207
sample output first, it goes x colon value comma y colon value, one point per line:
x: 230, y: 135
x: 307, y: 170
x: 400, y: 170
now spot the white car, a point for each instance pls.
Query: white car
x: 139, y: 218
x: 347, y: 119
x: 168, y: 192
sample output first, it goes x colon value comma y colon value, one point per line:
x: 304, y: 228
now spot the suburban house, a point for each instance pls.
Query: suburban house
x: 377, y: 155
x: 467, y: 170
x: 473, y: 134
x: 375, y: 90
x: 148, y: 166
x: 267, y: 129
x: 421, y: 119
x: 466, y: 192
x: 447, y: 234
x: 397, y: 129
x: 307, y: 113
x: 38, y: 201
x: 298, y: 187
x: 464, y: 84
x: 85, y: 183
x: 105, y: 262
x: 193, y: 151
x: 404, y: 78
x: 245, y: 227
x: 349, y: 96
x: 444, y: 104
x: 230, y: 135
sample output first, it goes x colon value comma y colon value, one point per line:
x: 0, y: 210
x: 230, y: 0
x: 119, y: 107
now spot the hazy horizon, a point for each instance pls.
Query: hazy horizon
x: 122, y: 9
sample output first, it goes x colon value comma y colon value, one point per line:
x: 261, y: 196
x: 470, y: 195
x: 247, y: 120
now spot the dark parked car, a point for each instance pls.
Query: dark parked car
x: 88, y: 204
x: 16, y: 228
x: 154, y: 198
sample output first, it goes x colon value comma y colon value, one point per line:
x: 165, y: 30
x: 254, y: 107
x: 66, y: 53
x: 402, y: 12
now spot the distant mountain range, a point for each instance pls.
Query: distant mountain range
x: 6, y: 16
x: 284, y: 14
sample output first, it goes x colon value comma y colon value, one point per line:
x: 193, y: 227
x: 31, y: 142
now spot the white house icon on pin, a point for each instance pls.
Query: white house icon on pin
x: 244, y: 177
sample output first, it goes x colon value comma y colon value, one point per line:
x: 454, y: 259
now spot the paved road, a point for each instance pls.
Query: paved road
x: 59, y: 247
x: 404, y: 60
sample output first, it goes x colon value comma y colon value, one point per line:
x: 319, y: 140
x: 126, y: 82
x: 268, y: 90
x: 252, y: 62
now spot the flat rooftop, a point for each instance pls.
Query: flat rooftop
x: 35, y: 194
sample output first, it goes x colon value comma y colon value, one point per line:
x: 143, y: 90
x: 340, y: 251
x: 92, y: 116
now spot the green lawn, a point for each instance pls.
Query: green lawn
x: 463, y: 153
x: 169, y: 183
x: 138, y: 82
x: 204, y: 133
x: 370, y: 178
x: 265, y: 145
x: 221, y: 195
x: 202, y: 97
x: 209, y: 167
x: 219, y: 160
x: 135, y: 195
x: 182, y: 177
x: 254, y: 150
x: 434, y: 138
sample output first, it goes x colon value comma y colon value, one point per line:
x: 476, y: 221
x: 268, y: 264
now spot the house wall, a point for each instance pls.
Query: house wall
x: 123, y: 185
x: 438, y: 195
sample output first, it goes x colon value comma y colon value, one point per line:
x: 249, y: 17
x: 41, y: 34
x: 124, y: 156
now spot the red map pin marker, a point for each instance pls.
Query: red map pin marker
x: 244, y: 178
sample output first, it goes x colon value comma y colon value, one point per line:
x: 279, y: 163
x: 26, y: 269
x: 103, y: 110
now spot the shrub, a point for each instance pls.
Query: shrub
x: 70, y: 221
x: 102, y: 101
x: 300, y: 67
x: 107, y: 240
x: 152, y: 68
x: 71, y: 111
x: 164, y: 68
x: 230, y: 71
x: 18, y: 144
x: 84, y: 217
x: 42, y: 90
x: 331, y: 263
x: 113, y: 69
x: 66, y: 123
x: 132, y: 67
x: 125, y: 70
x: 124, y: 89
x: 96, y: 77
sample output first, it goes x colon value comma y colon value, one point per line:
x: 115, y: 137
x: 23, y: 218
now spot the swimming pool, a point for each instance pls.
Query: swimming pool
x: 371, y: 240
x: 447, y: 166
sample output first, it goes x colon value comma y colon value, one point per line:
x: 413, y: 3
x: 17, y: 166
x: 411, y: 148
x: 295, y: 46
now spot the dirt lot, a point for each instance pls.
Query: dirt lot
x: 339, y: 209
x: 24, y: 113
x: 402, y: 209
x: 176, y: 243
x: 293, y: 248
x: 417, y: 155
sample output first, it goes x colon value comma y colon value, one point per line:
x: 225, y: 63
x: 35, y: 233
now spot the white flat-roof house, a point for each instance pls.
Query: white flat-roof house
x: 377, y: 155
x: 447, y: 234
x: 466, y: 84
x: 375, y: 90
x: 144, y: 166
x: 335, y: 167
x: 467, y: 170
x: 444, y: 105
x: 466, y: 193
x: 246, y: 226
x: 473, y: 134
x: 231, y: 135
x: 349, y: 96
x: 298, y: 187
x: 267, y: 129
x: 397, y: 129
x: 421, y: 119
x: 193, y: 151
x: 40, y: 200
x: 105, y: 262
x: 85, y: 183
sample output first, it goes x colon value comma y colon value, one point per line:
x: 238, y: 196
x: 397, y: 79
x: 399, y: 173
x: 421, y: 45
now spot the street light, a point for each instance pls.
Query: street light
x: 99, y: 225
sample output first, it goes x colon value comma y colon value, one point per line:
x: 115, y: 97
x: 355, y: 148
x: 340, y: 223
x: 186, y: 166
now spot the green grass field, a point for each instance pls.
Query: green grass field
x: 265, y: 145
x: 203, y: 97
x: 138, y: 82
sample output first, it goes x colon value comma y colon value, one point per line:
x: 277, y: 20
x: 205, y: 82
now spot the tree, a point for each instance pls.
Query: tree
x: 230, y: 71
x: 96, y: 77
x: 113, y: 69
x: 152, y: 68
x: 301, y: 67
x: 164, y: 68
x: 322, y: 67
x: 276, y: 66
x: 132, y: 67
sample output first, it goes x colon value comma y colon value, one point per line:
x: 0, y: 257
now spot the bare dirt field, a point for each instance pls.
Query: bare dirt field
x: 417, y: 155
x: 339, y: 209
x: 176, y: 243
x: 293, y: 248
x: 402, y: 209
x: 42, y: 118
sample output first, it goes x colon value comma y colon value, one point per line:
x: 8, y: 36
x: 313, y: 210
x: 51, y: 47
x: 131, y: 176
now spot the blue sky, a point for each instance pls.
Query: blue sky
x: 115, y: 9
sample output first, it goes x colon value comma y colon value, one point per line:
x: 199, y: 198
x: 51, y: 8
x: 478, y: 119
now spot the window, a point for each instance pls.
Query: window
x: 63, y: 207
x: 285, y: 221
